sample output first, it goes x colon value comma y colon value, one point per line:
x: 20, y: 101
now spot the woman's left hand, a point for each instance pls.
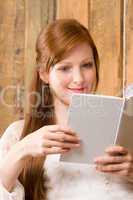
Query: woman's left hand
x: 118, y: 161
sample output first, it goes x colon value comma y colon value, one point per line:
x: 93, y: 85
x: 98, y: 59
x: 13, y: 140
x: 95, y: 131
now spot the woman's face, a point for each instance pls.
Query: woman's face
x: 75, y: 73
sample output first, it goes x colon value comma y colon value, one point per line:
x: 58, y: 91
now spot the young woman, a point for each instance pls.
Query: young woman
x: 67, y: 62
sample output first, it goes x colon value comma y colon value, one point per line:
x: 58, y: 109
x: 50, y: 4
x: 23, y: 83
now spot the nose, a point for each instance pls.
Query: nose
x: 78, y: 77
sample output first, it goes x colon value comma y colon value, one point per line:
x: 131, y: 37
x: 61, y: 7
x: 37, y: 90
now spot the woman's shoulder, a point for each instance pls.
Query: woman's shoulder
x: 13, y: 131
x: 16, y: 124
x: 10, y: 137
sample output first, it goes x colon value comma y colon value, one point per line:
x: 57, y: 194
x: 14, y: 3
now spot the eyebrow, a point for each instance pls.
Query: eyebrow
x: 69, y: 63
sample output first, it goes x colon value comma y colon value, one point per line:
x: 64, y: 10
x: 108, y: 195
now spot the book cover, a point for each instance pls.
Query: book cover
x: 100, y: 121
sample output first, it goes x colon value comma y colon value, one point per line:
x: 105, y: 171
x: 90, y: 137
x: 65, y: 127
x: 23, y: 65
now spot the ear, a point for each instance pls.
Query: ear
x: 44, y: 76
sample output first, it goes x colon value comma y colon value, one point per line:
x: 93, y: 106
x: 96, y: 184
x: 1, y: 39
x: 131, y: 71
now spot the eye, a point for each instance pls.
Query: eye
x: 64, y: 68
x: 88, y: 65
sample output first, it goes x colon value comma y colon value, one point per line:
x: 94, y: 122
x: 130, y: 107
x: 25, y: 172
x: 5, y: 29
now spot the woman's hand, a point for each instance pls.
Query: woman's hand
x: 118, y: 161
x: 52, y: 139
x: 46, y: 140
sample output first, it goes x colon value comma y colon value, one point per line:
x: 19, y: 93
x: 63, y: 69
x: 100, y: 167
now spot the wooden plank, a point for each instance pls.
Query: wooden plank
x: 18, y: 59
x: 7, y: 35
x: 37, y: 14
x: 48, y: 11
x: 73, y: 9
x: 6, y: 58
x: 129, y: 42
x: 106, y: 29
x: 32, y: 28
x: 11, y: 58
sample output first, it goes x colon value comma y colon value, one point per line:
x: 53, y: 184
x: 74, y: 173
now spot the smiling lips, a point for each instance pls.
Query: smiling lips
x: 77, y: 90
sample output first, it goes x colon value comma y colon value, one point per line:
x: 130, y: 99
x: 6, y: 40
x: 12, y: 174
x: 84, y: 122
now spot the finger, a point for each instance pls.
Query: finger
x: 56, y: 128
x: 55, y: 150
x: 116, y: 150
x: 104, y: 160
x: 49, y: 143
x: 111, y: 168
x: 125, y: 174
x: 129, y: 157
x: 62, y: 137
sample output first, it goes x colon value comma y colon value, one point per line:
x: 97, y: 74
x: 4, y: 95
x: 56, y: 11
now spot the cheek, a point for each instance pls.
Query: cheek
x: 64, y: 79
x: 56, y: 80
x: 91, y: 76
x: 53, y: 77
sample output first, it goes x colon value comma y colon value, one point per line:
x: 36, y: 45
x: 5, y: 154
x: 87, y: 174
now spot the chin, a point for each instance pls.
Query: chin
x: 67, y: 100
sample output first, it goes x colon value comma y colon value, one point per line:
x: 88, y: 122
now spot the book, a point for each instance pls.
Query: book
x: 100, y: 121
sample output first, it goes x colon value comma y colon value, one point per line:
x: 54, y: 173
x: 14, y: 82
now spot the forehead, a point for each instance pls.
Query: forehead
x: 79, y: 53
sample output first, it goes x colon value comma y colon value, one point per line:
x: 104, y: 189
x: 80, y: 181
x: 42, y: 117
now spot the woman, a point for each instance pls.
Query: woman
x: 67, y: 62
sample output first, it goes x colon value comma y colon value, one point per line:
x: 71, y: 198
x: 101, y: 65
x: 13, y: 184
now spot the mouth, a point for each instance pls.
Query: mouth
x: 77, y: 90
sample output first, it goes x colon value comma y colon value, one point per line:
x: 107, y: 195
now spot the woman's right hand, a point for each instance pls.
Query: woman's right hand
x: 51, y: 139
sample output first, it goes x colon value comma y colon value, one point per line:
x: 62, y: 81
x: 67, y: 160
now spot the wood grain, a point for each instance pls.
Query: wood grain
x: 37, y: 15
x: 73, y: 9
x: 129, y: 42
x: 11, y: 56
x: 106, y: 29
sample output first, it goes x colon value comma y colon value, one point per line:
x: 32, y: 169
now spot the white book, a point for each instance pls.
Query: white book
x: 100, y: 121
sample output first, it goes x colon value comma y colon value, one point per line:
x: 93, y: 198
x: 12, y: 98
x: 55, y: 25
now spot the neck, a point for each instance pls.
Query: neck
x: 61, y: 112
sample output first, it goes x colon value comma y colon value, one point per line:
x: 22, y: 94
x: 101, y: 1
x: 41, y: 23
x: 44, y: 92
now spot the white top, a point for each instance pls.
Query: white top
x: 67, y: 181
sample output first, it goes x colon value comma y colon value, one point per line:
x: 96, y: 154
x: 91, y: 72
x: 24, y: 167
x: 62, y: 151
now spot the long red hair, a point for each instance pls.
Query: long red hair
x: 53, y: 42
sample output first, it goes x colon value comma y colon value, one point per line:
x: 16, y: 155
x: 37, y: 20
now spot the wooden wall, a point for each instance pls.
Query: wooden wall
x: 129, y: 42
x: 20, y: 23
